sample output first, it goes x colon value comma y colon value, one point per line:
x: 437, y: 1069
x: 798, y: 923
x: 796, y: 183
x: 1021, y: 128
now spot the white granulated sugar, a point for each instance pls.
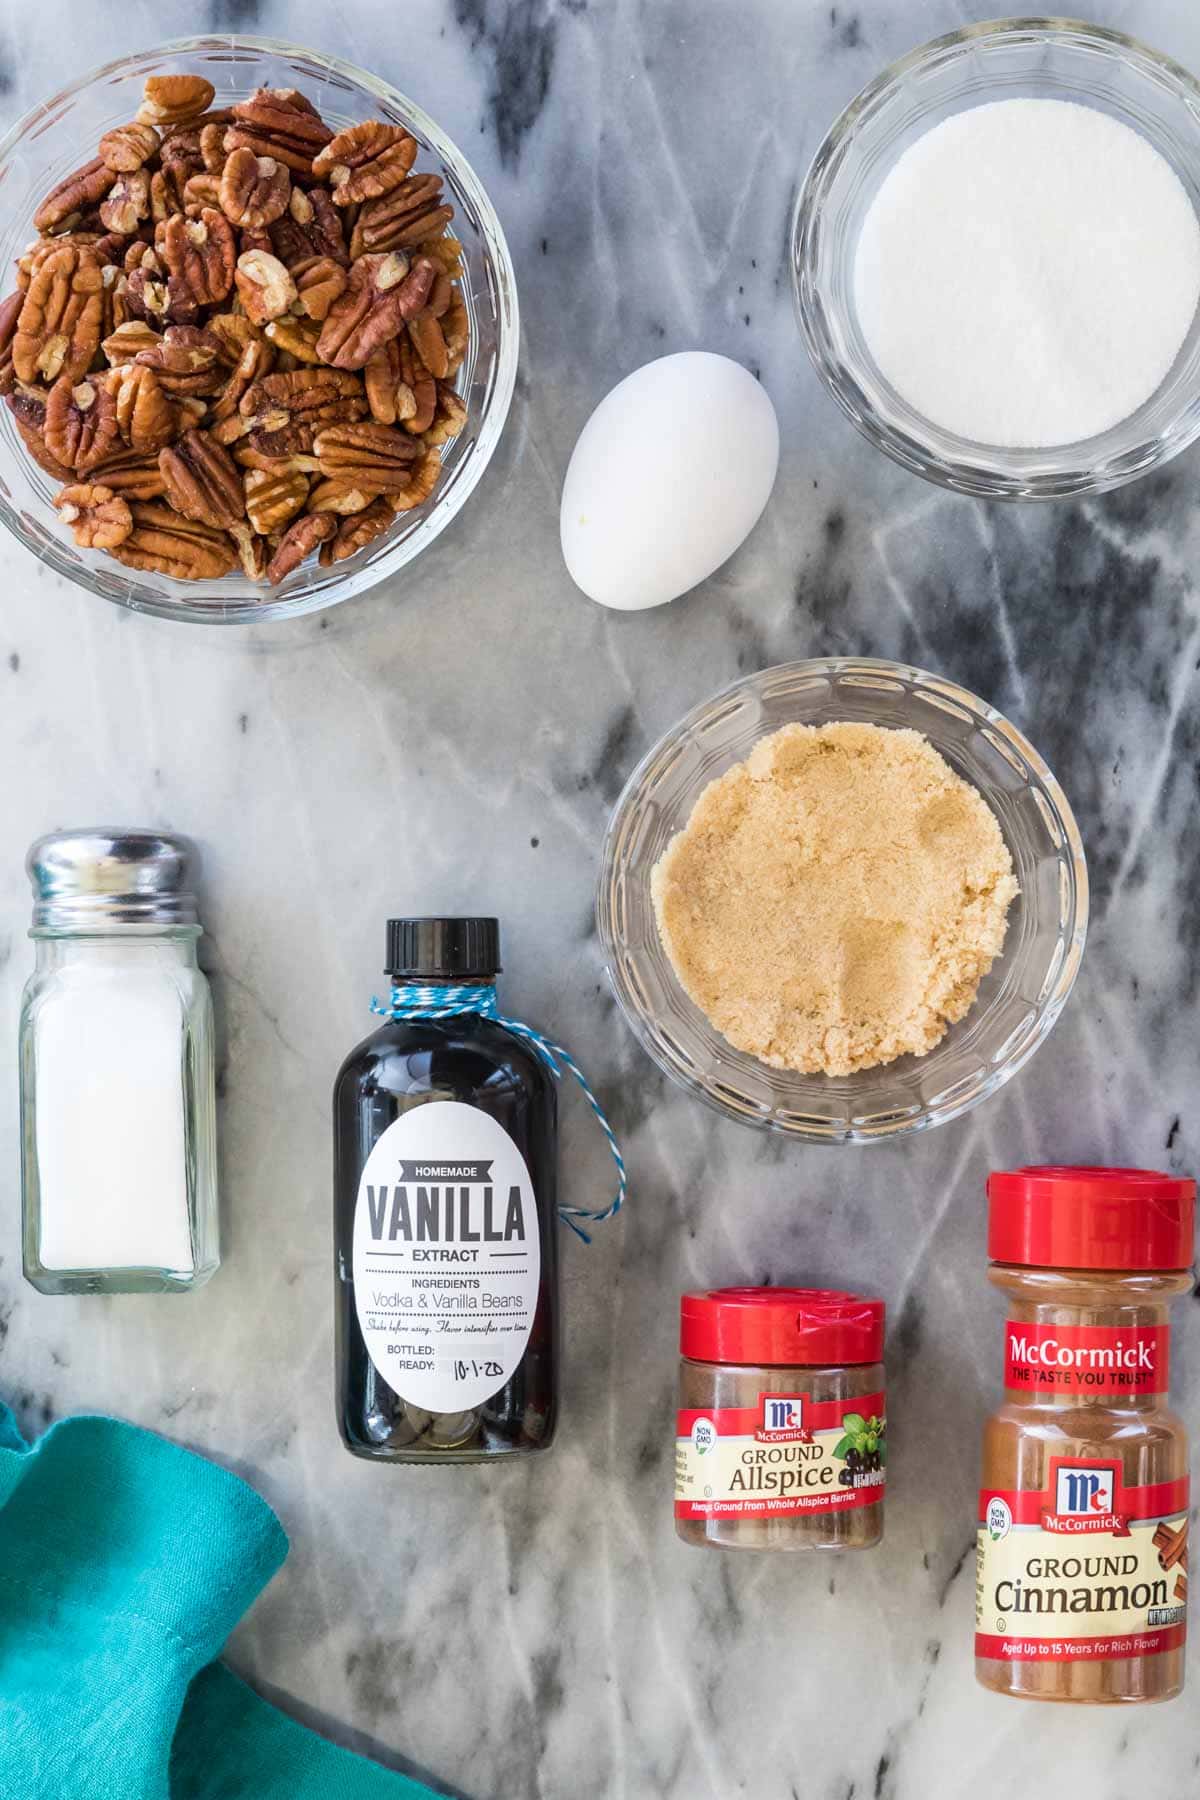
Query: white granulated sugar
x: 1027, y: 272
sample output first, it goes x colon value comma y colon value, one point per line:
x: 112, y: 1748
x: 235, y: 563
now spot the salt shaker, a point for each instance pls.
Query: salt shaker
x: 118, y: 1107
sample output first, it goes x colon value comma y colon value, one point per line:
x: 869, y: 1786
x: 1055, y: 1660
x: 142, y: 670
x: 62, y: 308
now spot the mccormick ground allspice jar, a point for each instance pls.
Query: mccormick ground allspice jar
x: 781, y: 1442
x: 1081, y: 1590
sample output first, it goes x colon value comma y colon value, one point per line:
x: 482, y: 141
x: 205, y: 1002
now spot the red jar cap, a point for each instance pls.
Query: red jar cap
x: 789, y: 1327
x: 1091, y: 1219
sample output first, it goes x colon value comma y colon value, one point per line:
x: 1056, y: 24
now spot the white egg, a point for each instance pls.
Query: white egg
x: 669, y: 476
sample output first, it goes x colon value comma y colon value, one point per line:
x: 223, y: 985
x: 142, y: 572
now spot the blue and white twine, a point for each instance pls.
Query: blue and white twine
x: 422, y: 1000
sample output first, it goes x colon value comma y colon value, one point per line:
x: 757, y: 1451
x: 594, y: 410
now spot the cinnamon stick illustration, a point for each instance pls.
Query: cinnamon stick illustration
x: 1181, y: 1587
x: 1171, y: 1545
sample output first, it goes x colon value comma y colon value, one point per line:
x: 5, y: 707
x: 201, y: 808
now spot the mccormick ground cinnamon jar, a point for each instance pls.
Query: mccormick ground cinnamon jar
x: 1081, y: 1590
x: 781, y: 1441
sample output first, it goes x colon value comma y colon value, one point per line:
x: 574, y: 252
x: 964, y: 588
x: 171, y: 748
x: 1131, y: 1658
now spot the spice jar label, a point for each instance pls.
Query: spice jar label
x: 787, y: 1454
x: 446, y: 1256
x: 1085, y: 1568
x: 1089, y: 1359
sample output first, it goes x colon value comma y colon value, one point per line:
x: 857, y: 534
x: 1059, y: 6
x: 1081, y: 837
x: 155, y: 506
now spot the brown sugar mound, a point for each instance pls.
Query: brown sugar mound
x: 835, y: 900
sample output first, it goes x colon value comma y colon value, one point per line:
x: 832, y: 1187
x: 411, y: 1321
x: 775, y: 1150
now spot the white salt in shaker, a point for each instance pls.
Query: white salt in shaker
x: 118, y: 1141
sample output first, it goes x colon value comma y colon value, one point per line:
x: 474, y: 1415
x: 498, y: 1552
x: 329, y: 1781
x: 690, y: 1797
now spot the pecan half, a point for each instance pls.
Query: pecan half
x: 10, y: 312
x: 407, y: 216
x: 299, y: 540
x: 266, y: 289
x: 172, y: 99
x: 306, y: 398
x: 312, y: 226
x: 344, y: 497
x: 319, y: 282
x: 273, y: 499
x: 429, y: 344
x: 212, y: 147
x: 133, y: 475
x: 383, y: 292
x: 200, y: 191
x: 389, y: 396
x: 456, y: 329
x: 373, y: 458
x: 66, y: 204
x: 446, y: 252
x: 186, y: 361
x: 421, y: 385
x: 128, y: 147
x: 202, y: 481
x: 279, y: 122
x: 81, y: 423
x: 365, y: 161
x: 357, y: 531
x: 165, y: 544
x: 145, y: 416
x: 253, y: 551
x: 255, y: 190
x: 127, y: 203
x: 257, y: 360
x: 182, y: 152
x: 58, y: 331
x: 200, y: 254
x: 99, y: 519
x: 298, y: 337
x: 167, y: 192
x: 28, y: 408
x: 449, y: 418
x: 422, y: 483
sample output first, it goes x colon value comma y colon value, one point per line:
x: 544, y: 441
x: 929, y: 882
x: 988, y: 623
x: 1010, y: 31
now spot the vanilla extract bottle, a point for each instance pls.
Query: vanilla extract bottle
x: 445, y: 1215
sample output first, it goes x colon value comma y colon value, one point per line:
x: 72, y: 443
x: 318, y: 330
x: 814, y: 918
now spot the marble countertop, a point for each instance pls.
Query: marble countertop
x: 453, y: 741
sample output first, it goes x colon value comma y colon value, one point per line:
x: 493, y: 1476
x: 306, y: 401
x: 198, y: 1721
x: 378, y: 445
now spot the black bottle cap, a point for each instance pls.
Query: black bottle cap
x: 443, y: 949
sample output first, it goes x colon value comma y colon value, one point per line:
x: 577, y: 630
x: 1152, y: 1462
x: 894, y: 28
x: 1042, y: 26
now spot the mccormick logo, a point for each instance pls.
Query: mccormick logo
x: 1084, y: 1501
x: 782, y: 1419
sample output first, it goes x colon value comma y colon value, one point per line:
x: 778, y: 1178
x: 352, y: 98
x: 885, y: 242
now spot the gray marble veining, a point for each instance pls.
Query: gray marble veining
x: 454, y: 741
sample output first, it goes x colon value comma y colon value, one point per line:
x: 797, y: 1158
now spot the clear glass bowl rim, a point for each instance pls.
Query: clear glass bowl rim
x: 355, y: 581
x: 984, y: 470
x: 1073, y: 934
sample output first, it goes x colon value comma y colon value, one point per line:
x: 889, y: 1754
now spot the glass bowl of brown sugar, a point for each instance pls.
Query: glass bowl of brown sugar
x: 1018, y: 998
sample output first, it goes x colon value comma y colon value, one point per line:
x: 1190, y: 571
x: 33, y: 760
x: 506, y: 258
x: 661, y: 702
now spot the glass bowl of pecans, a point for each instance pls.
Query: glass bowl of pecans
x: 262, y: 334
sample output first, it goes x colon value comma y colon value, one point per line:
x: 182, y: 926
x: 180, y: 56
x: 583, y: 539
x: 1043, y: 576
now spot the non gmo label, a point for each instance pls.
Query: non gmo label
x: 1083, y: 1569
x: 785, y: 1455
x: 447, y: 1258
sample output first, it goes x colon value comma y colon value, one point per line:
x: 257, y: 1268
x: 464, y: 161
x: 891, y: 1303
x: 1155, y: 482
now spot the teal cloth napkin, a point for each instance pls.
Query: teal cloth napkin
x: 125, y: 1562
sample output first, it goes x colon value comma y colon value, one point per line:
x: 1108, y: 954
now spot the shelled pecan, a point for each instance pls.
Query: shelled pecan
x: 382, y: 294
x: 356, y: 531
x: 254, y: 189
x: 99, y: 519
x: 298, y: 542
x: 170, y: 99
x: 58, y: 331
x: 81, y: 423
x: 165, y: 544
x: 243, y: 328
x: 128, y: 147
x: 202, y: 480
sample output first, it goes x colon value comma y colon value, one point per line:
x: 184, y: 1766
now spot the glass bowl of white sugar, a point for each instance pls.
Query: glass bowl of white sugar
x: 996, y: 260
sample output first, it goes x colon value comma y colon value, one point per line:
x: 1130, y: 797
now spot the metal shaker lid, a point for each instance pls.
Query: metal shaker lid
x: 97, y: 877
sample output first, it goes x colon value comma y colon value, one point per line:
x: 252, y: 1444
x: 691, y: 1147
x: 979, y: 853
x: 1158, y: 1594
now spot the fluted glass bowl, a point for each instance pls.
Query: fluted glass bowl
x: 1019, y: 999
x: 62, y: 133
x: 1061, y: 59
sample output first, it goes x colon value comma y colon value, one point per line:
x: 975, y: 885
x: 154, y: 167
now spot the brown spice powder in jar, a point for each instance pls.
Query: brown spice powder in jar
x: 781, y: 1439
x: 1081, y: 1587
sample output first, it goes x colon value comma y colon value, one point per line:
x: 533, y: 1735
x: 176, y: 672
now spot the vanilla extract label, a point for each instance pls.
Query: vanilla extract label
x: 446, y: 1256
